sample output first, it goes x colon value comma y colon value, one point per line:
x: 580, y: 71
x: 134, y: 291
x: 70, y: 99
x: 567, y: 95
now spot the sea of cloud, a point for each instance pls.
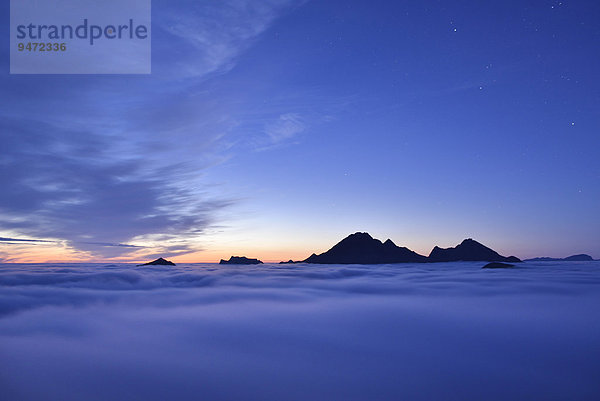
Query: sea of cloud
x: 448, y: 331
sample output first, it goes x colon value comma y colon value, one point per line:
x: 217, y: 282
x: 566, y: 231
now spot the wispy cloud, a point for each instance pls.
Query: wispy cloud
x: 22, y: 241
x: 286, y: 127
x: 116, y: 166
x: 33, y: 241
x: 96, y: 202
x: 213, y: 33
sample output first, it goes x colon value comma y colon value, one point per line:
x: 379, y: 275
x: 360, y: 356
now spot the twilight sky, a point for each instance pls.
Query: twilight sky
x: 275, y: 128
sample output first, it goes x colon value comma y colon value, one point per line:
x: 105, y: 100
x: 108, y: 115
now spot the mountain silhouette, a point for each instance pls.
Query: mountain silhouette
x: 469, y: 250
x: 574, y: 258
x: 159, y: 262
x: 361, y: 248
x: 240, y: 260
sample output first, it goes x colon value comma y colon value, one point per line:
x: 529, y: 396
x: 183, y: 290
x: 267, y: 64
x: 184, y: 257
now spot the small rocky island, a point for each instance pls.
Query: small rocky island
x: 240, y: 260
x: 159, y: 262
x: 498, y: 265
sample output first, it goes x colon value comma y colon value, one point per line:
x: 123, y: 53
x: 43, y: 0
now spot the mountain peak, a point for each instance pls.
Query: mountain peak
x: 363, y: 249
x: 359, y: 234
x: 468, y: 250
x: 159, y: 262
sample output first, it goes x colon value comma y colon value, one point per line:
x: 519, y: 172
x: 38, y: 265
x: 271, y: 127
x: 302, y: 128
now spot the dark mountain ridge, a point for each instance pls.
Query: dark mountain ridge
x: 361, y: 248
x: 468, y: 250
x: 240, y: 260
x: 574, y: 258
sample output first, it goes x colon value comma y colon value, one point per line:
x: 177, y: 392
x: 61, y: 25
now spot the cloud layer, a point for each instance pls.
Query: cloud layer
x: 299, y: 332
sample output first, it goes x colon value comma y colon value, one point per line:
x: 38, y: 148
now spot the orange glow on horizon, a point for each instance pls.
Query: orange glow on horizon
x: 40, y: 254
x: 26, y: 253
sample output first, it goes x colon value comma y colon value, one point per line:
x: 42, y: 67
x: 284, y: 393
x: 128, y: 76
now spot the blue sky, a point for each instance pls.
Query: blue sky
x: 275, y: 128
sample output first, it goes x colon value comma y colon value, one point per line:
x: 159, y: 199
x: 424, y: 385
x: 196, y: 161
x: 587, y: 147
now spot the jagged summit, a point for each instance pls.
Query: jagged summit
x: 240, y: 260
x: 361, y: 248
x: 468, y: 250
x: 159, y: 262
x: 389, y: 242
